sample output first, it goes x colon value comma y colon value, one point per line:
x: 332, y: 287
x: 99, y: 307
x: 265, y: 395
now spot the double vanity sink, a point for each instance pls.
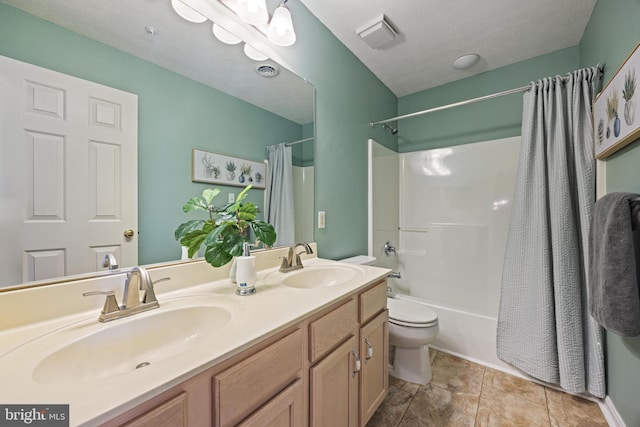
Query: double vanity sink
x: 103, y: 369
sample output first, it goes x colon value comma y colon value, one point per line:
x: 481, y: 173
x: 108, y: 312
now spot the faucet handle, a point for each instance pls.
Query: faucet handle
x: 110, y: 304
x: 150, y: 295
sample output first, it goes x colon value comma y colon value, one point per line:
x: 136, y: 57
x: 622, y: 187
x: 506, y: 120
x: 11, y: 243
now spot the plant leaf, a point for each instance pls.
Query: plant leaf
x: 188, y: 226
x: 209, y: 194
x: 193, y: 240
x: 194, y: 204
x: 216, y: 256
x: 264, y: 232
x: 243, y: 194
x: 232, y: 244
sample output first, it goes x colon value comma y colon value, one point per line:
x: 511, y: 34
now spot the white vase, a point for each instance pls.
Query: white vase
x: 629, y: 112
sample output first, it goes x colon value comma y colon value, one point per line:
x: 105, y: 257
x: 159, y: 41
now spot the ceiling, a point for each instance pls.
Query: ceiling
x: 432, y: 33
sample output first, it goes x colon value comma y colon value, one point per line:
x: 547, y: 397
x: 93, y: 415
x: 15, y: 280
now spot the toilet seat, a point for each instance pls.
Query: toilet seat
x: 410, y: 314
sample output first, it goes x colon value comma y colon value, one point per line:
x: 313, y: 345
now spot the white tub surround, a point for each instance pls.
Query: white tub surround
x: 37, y: 322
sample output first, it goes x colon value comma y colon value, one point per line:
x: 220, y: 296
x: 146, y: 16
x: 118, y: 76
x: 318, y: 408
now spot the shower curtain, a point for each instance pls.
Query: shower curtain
x: 544, y: 327
x: 279, y: 194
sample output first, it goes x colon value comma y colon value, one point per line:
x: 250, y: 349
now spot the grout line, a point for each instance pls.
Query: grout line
x: 484, y: 375
x: 407, y: 409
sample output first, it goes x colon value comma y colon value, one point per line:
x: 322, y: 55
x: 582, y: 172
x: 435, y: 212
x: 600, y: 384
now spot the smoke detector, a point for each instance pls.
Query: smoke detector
x: 377, y: 33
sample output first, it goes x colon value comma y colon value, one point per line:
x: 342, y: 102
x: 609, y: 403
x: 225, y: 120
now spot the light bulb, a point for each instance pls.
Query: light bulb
x: 280, y: 29
x: 253, y: 12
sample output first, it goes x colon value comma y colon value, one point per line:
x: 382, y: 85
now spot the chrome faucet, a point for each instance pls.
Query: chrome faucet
x: 292, y: 260
x: 138, y: 296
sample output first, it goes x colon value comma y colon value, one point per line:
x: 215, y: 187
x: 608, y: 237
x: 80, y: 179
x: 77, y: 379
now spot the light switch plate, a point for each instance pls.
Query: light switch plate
x: 321, y: 219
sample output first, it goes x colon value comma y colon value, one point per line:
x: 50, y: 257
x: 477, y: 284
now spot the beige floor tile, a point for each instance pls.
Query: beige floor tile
x: 392, y: 409
x: 502, y: 409
x: 457, y: 375
x: 566, y: 410
x: 411, y: 388
x: 436, y: 407
x: 514, y: 385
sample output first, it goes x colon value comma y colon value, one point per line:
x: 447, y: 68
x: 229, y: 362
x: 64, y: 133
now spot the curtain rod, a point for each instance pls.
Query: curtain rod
x: 289, y: 144
x: 466, y: 102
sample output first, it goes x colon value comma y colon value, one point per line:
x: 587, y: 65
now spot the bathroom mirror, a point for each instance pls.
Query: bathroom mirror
x: 192, y: 51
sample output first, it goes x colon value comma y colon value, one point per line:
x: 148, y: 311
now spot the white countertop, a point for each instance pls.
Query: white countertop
x: 273, y: 308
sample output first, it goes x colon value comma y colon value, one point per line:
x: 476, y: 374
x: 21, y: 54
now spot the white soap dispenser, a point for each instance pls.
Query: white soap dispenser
x: 246, y: 272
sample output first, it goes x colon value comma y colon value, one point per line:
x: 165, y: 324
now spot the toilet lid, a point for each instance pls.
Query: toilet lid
x: 410, y: 313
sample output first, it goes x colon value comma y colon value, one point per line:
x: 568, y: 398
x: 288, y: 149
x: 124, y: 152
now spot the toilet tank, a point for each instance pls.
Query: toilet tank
x: 360, y: 259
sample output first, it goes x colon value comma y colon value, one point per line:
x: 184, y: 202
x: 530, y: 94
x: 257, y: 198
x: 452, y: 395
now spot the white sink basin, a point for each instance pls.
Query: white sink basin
x: 318, y: 276
x: 125, y: 345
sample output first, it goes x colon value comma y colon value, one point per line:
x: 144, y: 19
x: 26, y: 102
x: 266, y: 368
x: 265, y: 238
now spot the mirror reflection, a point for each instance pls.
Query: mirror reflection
x: 191, y: 91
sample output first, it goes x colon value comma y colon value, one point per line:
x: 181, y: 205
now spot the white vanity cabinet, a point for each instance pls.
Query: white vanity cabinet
x: 329, y: 369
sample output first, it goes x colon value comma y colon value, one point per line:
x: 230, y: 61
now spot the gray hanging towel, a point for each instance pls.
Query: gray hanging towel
x: 614, y: 274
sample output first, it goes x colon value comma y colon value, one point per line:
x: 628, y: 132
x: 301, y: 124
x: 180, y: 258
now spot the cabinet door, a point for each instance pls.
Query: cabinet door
x: 374, y: 378
x: 284, y: 410
x: 334, y: 388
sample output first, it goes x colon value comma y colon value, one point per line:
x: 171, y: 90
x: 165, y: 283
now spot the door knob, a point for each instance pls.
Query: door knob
x: 128, y: 233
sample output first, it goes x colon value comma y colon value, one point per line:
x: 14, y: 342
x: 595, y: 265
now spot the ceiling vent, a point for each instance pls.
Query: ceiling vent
x: 267, y: 70
x: 377, y: 33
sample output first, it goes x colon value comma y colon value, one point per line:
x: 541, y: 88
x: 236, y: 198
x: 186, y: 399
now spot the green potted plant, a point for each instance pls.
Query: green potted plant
x: 226, y: 229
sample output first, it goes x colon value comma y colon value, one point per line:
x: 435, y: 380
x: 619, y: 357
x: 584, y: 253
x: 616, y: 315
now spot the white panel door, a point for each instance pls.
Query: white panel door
x: 68, y: 174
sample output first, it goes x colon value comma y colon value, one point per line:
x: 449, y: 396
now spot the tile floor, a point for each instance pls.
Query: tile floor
x: 462, y: 393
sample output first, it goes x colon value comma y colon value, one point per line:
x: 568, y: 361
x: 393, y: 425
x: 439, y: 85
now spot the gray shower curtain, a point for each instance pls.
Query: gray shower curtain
x: 278, y: 209
x: 544, y: 327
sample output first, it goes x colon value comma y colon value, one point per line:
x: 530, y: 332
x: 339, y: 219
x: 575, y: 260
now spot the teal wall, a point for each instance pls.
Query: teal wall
x: 497, y: 118
x: 176, y: 114
x: 348, y: 98
x: 613, y: 32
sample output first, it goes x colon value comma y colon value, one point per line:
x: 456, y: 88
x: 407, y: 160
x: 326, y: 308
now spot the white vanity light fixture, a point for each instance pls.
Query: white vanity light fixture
x: 225, y: 36
x: 465, y: 62
x: 254, y: 53
x: 280, y: 31
x: 187, y: 13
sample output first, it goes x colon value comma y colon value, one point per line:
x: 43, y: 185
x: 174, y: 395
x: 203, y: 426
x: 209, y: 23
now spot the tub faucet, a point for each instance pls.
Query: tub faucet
x: 292, y: 260
x: 138, y: 296
x: 394, y: 275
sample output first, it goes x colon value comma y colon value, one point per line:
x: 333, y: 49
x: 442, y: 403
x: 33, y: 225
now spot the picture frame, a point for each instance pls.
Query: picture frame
x: 214, y: 168
x: 616, y: 119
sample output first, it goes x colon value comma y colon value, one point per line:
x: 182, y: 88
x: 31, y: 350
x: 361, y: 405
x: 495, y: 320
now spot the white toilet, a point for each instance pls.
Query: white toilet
x: 412, y: 326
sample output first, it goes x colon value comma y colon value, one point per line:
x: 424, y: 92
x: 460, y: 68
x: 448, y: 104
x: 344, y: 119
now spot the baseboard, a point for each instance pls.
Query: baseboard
x: 611, y: 413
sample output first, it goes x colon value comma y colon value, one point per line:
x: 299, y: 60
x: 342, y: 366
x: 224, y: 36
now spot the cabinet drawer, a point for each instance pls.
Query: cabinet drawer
x: 328, y: 331
x: 172, y: 413
x: 246, y: 386
x: 373, y: 301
